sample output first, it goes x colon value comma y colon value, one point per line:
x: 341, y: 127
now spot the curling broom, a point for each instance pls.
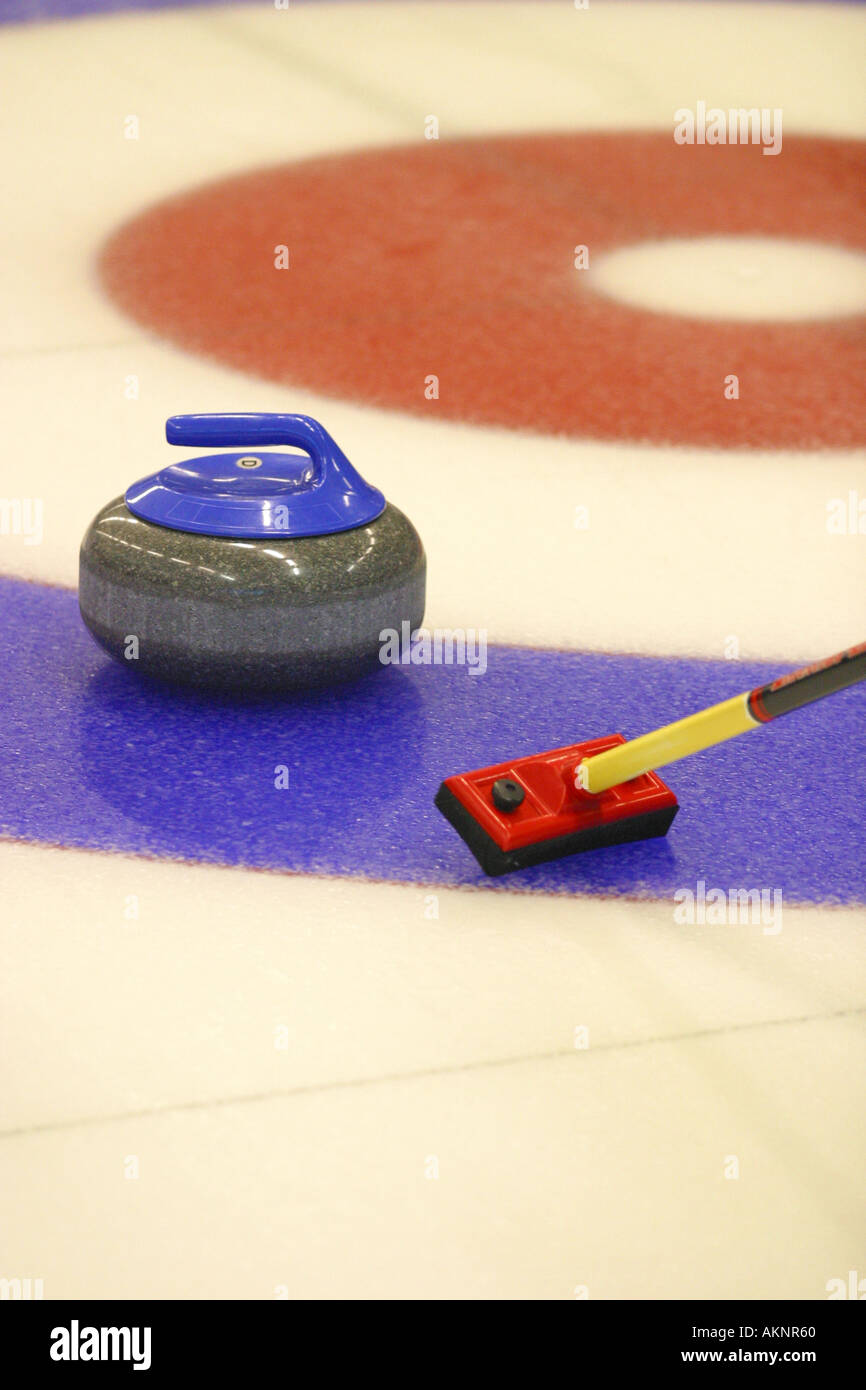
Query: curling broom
x: 606, y: 791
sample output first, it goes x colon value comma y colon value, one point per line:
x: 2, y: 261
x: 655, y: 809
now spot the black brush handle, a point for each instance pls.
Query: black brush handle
x: 810, y: 683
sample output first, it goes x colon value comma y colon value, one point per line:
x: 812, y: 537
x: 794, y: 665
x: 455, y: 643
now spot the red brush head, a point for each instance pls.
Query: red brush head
x: 528, y: 810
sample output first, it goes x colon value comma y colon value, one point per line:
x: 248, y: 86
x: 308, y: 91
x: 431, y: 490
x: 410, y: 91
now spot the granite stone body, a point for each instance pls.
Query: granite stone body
x: 248, y: 614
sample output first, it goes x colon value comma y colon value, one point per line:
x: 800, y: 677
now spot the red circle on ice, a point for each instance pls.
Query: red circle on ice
x: 455, y: 259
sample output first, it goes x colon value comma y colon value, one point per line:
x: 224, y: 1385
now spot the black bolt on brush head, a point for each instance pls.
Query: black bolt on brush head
x: 507, y: 794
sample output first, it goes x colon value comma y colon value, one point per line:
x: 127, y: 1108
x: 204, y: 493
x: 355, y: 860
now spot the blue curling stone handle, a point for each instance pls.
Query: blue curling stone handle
x: 255, y: 494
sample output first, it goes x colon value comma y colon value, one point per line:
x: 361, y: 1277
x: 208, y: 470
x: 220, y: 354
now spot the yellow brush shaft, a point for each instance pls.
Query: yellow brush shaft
x: 666, y: 745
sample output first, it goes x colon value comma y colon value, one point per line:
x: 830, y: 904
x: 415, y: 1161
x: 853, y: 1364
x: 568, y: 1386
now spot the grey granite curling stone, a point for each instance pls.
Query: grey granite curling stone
x: 251, y: 570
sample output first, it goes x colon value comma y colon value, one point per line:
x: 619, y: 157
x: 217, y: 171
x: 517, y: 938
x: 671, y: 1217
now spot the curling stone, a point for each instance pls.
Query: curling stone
x: 251, y: 569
